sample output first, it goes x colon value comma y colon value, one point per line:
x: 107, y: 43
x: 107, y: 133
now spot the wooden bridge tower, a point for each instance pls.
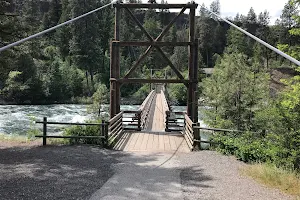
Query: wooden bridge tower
x: 116, y: 81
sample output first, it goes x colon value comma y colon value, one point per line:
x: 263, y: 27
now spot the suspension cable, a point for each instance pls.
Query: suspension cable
x: 54, y: 27
x: 257, y: 39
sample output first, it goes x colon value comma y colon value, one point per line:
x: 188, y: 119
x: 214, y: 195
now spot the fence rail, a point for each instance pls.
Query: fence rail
x: 145, y: 109
x: 102, y: 135
x: 174, y: 121
x: 134, y: 120
x: 115, y: 129
x: 191, y: 132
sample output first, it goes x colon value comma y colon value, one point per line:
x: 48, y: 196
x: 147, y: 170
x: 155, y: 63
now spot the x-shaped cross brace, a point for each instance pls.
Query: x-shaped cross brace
x: 161, y: 35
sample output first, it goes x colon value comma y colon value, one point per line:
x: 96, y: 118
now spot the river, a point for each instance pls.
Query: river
x: 18, y: 119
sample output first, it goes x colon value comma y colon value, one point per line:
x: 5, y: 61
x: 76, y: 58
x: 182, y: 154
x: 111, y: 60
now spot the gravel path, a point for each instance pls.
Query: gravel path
x: 208, y: 175
x: 85, y: 172
x: 60, y: 172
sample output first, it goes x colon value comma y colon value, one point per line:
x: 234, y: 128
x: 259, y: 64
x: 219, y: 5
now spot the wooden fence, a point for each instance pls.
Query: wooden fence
x: 174, y: 121
x: 191, y: 132
x: 115, y: 129
x: 103, y: 134
x: 132, y: 120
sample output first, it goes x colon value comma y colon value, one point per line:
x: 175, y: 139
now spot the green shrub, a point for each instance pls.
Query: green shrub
x: 250, y: 148
x: 84, y: 131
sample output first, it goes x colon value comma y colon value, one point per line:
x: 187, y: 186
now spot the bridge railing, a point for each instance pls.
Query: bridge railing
x: 145, y: 109
x: 132, y: 120
x: 189, y: 131
x: 174, y: 121
x: 115, y: 129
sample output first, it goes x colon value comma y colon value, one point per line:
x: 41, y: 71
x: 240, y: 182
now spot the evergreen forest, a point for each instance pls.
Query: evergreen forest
x: 252, y: 88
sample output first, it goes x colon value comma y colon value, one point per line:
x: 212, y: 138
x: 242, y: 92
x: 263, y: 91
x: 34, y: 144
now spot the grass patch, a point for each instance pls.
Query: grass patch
x: 13, y: 138
x: 287, y: 181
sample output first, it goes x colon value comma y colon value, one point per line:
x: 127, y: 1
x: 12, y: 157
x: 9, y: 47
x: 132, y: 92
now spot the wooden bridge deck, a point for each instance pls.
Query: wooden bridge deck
x: 153, y: 138
x: 152, y: 141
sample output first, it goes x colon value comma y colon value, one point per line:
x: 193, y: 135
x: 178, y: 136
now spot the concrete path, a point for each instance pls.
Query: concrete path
x: 143, y: 176
x: 182, y: 176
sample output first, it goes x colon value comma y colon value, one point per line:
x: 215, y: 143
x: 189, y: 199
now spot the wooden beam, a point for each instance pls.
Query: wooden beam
x: 149, y: 48
x: 113, y: 83
x: 170, y: 63
x: 154, y: 5
x: 161, y: 35
x: 190, y: 95
x: 139, y: 24
x: 117, y: 54
x: 137, y: 80
x: 142, y: 57
x: 71, y: 136
x: 154, y: 43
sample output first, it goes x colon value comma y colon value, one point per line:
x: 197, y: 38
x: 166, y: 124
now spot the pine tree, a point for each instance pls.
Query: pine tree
x: 85, y: 45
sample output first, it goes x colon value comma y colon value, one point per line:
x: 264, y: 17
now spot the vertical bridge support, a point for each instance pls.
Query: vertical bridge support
x: 115, y: 69
x: 192, y: 98
x: 154, y: 43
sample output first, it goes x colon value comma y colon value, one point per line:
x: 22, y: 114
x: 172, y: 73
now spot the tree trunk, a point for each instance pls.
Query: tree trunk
x: 87, y: 83
x: 92, y: 79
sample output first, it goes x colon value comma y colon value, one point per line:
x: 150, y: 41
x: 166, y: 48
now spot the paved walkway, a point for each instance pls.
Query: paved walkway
x: 143, y: 176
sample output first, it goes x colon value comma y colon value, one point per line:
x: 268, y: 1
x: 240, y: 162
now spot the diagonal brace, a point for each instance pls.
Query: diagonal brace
x: 162, y: 34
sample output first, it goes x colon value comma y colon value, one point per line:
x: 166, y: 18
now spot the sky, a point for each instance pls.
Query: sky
x: 229, y: 8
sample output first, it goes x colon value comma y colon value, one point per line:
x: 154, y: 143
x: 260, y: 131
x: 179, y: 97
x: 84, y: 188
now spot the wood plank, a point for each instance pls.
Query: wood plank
x: 150, y: 141
x: 139, y: 141
x: 179, y: 140
x: 188, y: 142
x: 66, y: 123
x: 167, y: 142
x: 138, y: 80
x: 134, y: 136
x: 172, y: 142
x: 74, y: 136
x: 161, y: 145
x: 152, y: 43
x: 145, y: 141
x: 155, y: 141
x: 129, y: 141
x: 115, y: 118
x: 122, y: 141
x: 155, y: 5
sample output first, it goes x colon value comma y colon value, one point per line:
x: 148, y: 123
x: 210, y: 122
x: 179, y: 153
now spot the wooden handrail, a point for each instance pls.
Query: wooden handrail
x: 222, y: 130
x: 67, y: 123
x: 112, y: 120
x: 145, y: 109
x: 103, y: 131
x: 172, y: 122
x: 115, y: 129
x: 191, y: 133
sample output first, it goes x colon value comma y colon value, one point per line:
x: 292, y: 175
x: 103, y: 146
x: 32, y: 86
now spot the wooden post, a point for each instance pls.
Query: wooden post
x: 197, y: 136
x: 190, y: 95
x: 195, y: 83
x: 45, y: 131
x: 102, y: 131
x: 112, y: 80
x: 167, y: 121
x: 115, y: 68
x: 139, y: 121
x: 117, y: 55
